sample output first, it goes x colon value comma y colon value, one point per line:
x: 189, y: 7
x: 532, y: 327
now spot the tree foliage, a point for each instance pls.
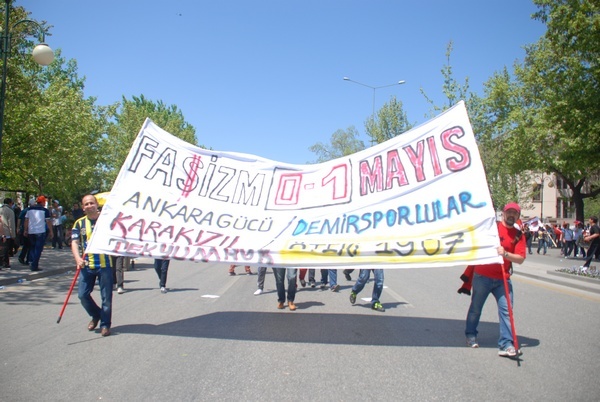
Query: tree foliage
x: 391, y: 121
x: 547, y: 118
x: 127, y: 120
x: 341, y: 143
x: 50, y: 129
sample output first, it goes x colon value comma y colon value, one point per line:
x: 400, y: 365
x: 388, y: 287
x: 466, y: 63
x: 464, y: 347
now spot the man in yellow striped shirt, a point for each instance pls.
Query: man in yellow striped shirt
x: 92, y: 267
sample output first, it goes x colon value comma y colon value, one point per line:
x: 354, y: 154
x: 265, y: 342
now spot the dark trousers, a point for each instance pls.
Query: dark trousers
x: 26, y: 245
x: 592, y: 251
x: 57, y: 231
x: 37, y: 242
x: 162, y: 268
x: 280, y: 279
x: 6, y: 246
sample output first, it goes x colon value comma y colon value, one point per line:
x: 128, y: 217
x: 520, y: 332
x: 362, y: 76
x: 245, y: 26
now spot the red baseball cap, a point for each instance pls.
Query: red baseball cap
x: 512, y: 205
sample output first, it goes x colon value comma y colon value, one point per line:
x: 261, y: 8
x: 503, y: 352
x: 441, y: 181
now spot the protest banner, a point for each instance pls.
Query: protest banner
x: 418, y: 200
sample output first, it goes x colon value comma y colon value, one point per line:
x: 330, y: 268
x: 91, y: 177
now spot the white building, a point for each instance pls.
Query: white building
x: 549, y: 200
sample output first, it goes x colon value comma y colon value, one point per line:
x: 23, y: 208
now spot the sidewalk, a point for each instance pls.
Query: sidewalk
x: 52, y: 262
x: 539, y: 267
x: 544, y: 268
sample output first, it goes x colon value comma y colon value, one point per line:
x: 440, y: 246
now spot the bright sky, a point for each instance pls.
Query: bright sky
x: 265, y: 77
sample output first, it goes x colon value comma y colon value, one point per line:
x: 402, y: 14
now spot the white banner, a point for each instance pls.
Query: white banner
x: 418, y: 200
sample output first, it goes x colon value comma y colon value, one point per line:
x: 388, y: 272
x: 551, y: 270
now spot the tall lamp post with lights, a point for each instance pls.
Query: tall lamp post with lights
x: 42, y: 54
x: 374, y: 90
x: 539, y: 181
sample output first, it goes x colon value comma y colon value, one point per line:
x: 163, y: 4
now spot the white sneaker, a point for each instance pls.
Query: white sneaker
x: 258, y: 292
x: 120, y: 290
x: 163, y: 290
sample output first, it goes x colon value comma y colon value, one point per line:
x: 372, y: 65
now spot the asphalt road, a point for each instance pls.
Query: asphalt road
x: 210, y: 338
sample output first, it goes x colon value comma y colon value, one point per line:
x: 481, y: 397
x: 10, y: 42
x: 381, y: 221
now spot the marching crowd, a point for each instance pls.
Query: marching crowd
x: 574, y: 241
x: 29, y: 228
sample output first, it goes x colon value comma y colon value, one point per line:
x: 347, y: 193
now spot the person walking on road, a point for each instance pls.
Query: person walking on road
x: 232, y: 270
x: 489, y: 279
x: 543, y: 239
x: 92, y: 268
x: 363, y: 278
x: 161, y: 266
x: 260, y: 283
x: 280, y: 277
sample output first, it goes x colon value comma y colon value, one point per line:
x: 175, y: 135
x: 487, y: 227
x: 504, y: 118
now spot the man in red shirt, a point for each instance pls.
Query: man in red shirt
x: 489, y: 279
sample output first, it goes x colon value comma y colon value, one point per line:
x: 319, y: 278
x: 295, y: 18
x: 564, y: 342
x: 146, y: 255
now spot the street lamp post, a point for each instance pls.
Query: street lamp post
x: 374, y: 90
x: 542, y: 179
x: 42, y: 54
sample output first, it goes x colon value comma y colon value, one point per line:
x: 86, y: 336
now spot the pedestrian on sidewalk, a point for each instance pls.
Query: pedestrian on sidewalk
x: 92, y: 268
x: 488, y: 279
x: 37, y: 222
x: 23, y: 239
x: 594, y: 239
x: 57, y: 226
x: 9, y: 232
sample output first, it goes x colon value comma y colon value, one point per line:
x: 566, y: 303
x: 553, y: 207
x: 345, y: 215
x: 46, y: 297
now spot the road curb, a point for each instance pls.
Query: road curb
x: 575, y: 277
x: 560, y: 282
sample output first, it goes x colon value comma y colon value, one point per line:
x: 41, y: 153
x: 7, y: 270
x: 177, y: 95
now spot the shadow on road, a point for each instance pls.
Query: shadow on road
x: 376, y: 330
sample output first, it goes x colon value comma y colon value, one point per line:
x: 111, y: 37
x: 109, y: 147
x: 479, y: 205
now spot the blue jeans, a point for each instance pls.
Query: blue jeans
x: 324, y: 276
x: 482, y: 287
x: 162, y: 268
x: 542, y: 244
x: 332, y: 277
x: 280, y: 284
x: 363, y: 278
x: 87, y: 280
x: 37, y: 242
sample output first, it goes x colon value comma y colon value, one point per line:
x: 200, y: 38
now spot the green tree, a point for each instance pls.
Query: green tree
x: 128, y: 117
x: 547, y: 118
x: 452, y: 89
x: 390, y: 122
x: 48, y: 124
x: 341, y: 143
x: 503, y: 184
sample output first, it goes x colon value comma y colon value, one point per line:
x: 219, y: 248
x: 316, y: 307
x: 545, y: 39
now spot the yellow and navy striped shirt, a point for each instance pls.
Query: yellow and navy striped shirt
x: 82, y: 231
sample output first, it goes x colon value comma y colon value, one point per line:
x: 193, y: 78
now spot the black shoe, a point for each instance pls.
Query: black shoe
x: 36, y: 270
x: 232, y: 274
x: 22, y: 261
x: 348, y: 277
